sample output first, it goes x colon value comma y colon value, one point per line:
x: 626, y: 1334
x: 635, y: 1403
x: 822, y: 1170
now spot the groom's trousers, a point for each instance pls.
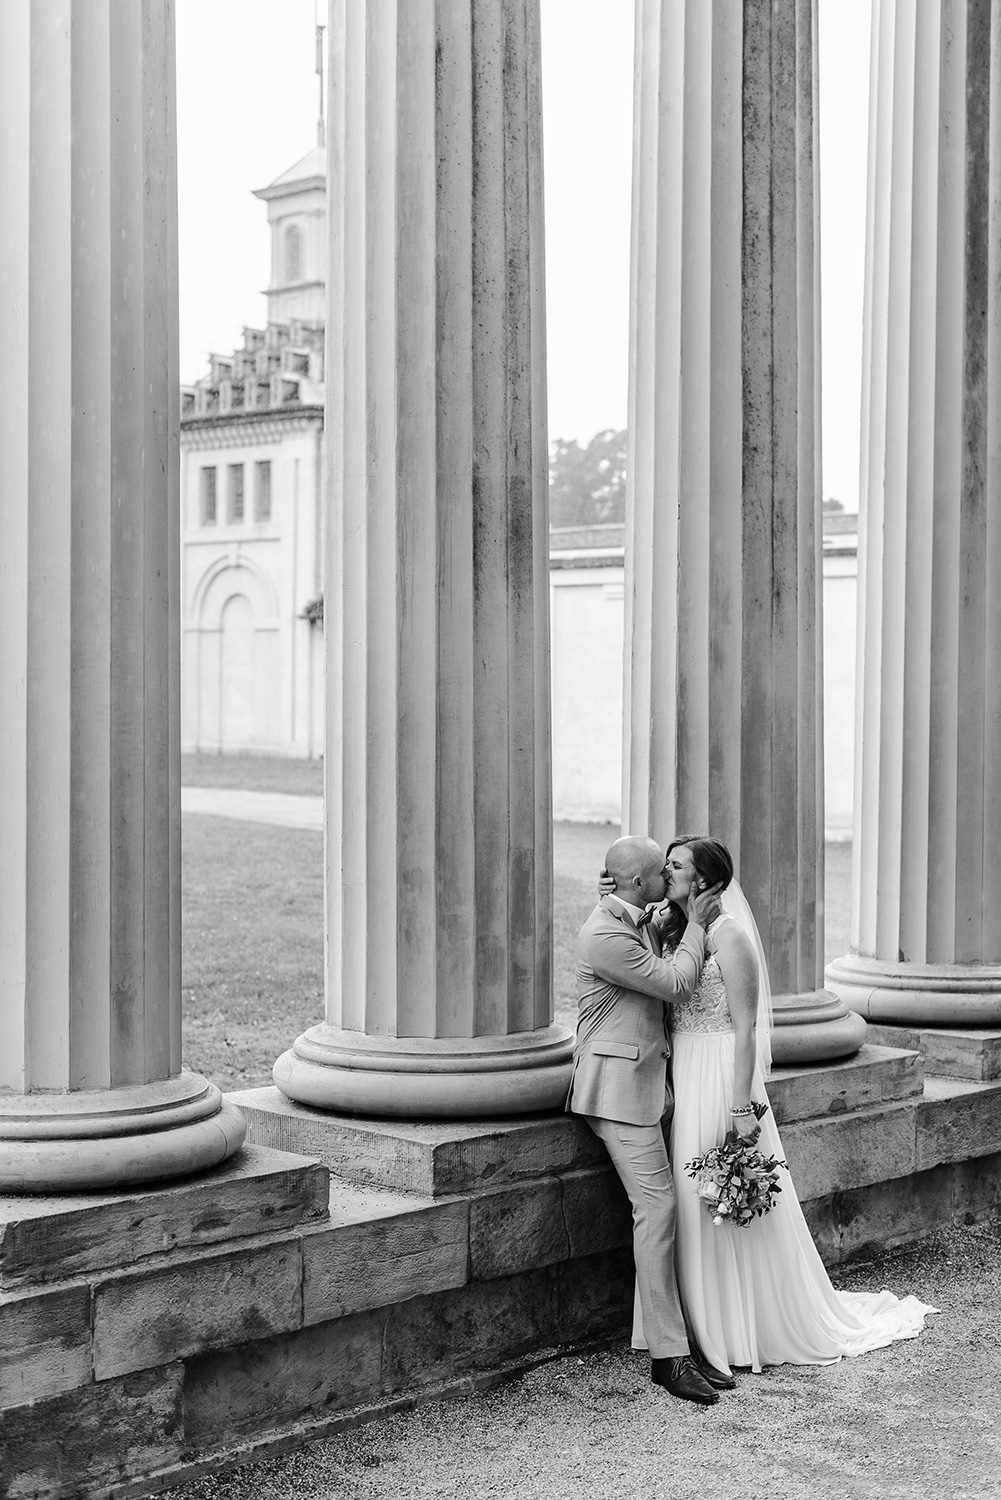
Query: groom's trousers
x: 639, y: 1155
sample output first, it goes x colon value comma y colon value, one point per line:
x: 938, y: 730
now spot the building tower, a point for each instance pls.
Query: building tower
x: 297, y: 214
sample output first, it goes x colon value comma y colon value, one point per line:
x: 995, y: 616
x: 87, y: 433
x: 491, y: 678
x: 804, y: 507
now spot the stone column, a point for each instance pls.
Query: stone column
x: 92, y: 1093
x: 926, y: 900
x: 438, y: 838
x: 723, y: 727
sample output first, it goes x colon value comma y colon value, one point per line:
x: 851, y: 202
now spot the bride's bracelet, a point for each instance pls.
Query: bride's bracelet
x: 748, y: 1111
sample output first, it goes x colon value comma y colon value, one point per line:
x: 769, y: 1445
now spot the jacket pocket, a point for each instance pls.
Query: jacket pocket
x: 615, y: 1049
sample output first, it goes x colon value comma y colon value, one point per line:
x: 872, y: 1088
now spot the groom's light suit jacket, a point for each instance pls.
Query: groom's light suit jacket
x: 623, y: 989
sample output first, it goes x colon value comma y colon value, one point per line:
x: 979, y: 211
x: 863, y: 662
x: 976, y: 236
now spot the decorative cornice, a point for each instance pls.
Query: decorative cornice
x: 288, y: 189
x: 253, y: 426
x: 587, y: 557
x: 293, y: 286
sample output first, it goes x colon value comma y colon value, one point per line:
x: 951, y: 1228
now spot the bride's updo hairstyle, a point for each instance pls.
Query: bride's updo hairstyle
x: 713, y: 865
x: 711, y: 858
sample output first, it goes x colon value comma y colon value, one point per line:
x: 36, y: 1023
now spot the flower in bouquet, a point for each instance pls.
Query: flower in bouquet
x: 736, y: 1181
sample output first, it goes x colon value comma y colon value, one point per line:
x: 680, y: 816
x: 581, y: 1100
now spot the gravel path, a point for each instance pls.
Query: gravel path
x: 921, y: 1418
x: 289, y: 809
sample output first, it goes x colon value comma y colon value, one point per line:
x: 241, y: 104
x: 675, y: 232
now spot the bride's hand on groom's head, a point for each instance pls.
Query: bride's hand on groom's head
x: 606, y: 885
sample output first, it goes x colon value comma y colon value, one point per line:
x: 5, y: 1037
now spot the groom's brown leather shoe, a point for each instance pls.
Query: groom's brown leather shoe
x: 681, y: 1377
x: 718, y: 1379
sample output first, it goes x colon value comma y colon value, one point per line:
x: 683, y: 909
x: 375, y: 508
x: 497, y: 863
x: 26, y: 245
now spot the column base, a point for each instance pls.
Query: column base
x: 814, y: 1027
x: 112, y: 1138
x: 967, y: 995
x: 428, y: 1078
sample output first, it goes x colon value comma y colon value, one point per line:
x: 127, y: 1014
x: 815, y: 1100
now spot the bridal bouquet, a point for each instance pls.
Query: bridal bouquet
x: 736, y: 1181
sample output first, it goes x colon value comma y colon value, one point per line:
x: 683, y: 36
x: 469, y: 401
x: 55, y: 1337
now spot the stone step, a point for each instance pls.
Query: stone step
x: 953, y: 1120
x: 951, y: 1053
x: 376, y: 1250
x: 436, y: 1158
x: 949, y: 1120
x: 892, y: 1173
x: 258, y: 1191
x: 431, y: 1158
x: 859, y: 1223
x: 875, y: 1075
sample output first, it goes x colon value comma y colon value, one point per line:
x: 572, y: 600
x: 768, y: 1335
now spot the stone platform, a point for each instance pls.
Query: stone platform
x: 954, y: 1054
x: 875, y: 1075
x: 437, y: 1158
x: 149, y: 1336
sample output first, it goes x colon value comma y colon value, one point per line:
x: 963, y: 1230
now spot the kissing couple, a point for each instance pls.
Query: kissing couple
x: 673, y: 1048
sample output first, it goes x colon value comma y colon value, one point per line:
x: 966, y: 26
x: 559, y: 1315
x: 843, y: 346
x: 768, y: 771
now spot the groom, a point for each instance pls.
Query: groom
x: 620, y: 1083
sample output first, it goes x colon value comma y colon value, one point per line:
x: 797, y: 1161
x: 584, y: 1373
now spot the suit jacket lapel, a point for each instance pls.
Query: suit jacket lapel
x: 620, y: 912
x: 647, y: 934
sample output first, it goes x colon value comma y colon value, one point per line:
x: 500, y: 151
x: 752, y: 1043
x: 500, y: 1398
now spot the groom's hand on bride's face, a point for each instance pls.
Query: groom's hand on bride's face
x: 704, y: 907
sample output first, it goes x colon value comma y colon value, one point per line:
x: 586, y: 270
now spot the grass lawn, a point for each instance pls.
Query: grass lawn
x: 253, y: 926
x: 253, y: 945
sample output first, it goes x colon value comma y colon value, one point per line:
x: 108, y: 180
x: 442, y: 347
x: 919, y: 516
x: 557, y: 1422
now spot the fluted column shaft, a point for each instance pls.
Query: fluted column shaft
x: 926, y: 900
x: 439, y: 852
x: 723, y: 638
x: 90, y: 1028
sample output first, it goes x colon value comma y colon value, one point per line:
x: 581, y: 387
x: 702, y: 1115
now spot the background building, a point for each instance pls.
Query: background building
x: 251, y: 518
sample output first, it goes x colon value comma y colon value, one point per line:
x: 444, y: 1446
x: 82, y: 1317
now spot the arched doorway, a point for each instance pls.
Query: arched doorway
x: 236, y: 676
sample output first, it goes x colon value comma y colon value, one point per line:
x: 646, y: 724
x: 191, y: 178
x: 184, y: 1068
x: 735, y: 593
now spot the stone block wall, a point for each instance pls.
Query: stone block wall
x: 157, y: 1349
x: 148, y: 1336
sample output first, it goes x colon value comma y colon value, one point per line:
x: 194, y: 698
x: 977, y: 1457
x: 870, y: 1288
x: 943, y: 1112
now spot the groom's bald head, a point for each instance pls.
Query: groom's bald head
x: 637, y: 867
x: 633, y: 856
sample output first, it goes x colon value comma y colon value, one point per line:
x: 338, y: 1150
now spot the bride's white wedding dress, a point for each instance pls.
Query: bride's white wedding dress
x: 759, y: 1295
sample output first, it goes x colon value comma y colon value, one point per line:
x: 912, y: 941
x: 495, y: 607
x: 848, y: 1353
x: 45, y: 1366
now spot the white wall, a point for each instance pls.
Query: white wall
x: 840, y: 594
x: 587, y: 626
x: 587, y: 623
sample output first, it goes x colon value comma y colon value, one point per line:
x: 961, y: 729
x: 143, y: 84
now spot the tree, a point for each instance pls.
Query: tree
x: 587, y: 486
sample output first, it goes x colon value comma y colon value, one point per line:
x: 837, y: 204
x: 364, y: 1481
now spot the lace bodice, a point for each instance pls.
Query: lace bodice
x: 707, y: 1008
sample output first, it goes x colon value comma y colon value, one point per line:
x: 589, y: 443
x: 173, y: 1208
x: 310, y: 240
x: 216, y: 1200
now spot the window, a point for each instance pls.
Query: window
x: 234, y: 493
x: 262, y: 491
x: 293, y: 254
x: 208, y: 497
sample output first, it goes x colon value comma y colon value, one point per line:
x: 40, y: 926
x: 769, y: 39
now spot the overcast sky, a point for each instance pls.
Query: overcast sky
x: 247, y: 109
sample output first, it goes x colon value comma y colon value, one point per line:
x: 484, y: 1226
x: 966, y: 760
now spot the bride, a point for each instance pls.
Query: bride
x: 757, y: 1295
